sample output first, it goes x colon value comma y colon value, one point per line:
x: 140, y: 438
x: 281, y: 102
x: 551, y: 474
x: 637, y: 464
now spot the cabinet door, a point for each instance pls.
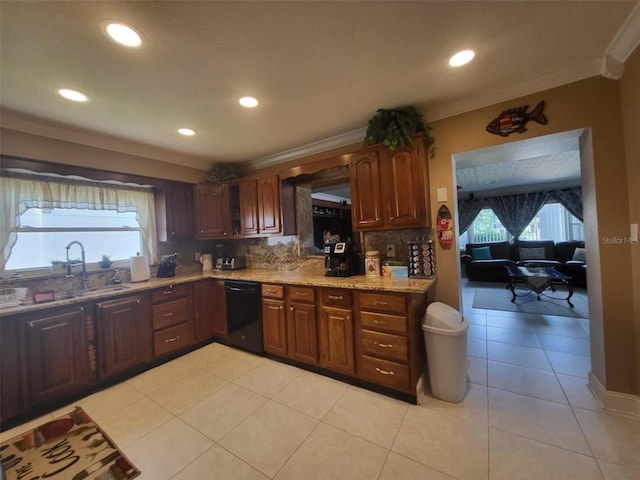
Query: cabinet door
x: 179, y: 210
x: 211, y: 211
x: 11, y: 400
x: 403, y: 171
x: 126, y: 342
x: 269, y: 208
x: 210, y: 309
x: 336, y: 339
x: 366, y: 191
x: 274, y: 326
x: 56, y: 355
x: 302, y: 332
x: 249, y: 207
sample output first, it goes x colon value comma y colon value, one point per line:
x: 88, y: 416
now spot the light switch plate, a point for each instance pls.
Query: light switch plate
x: 442, y: 194
x: 391, y: 251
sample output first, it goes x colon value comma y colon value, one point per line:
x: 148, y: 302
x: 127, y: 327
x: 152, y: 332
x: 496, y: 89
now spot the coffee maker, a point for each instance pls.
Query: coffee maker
x: 340, y: 259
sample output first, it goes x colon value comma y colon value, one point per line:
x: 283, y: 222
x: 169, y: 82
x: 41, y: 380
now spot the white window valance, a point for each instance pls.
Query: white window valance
x: 20, y: 193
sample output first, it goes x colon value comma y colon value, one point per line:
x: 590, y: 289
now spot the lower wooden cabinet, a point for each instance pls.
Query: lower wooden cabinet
x: 125, y: 328
x: 172, y: 318
x: 302, y: 326
x: 274, y: 326
x: 336, y: 339
x: 55, y: 355
x: 209, y: 309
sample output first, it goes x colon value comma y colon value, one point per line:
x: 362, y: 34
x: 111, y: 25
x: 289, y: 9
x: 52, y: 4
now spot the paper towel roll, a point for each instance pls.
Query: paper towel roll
x: 139, y: 269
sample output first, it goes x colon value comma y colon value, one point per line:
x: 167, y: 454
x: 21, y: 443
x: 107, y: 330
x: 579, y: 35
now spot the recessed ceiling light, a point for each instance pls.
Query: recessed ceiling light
x: 462, y: 58
x: 186, y: 131
x: 72, y: 95
x: 121, y: 33
x: 248, y: 102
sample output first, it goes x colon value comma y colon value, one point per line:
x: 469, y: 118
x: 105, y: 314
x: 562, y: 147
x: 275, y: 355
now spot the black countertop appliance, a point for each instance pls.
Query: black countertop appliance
x: 341, y: 259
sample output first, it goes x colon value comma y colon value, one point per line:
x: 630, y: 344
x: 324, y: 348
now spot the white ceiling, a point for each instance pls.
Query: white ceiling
x: 320, y: 69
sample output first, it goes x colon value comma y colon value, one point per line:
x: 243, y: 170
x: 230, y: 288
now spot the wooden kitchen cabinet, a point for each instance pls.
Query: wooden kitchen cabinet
x: 274, y: 320
x: 180, y: 207
x: 302, y: 326
x: 212, y: 211
x: 125, y: 332
x: 11, y: 370
x: 172, y: 318
x: 390, y: 188
x: 55, y: 354
x: 209, y: 309
x: 257, y: 206
x: 336, y: 331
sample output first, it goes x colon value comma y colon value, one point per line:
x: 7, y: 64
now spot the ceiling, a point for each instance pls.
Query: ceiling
x: 319, y: 69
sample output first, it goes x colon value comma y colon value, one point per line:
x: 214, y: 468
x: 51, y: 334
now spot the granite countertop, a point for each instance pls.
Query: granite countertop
x: 285, y: 277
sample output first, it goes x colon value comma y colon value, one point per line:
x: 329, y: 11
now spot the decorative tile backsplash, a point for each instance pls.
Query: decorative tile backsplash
x: 271, y: 253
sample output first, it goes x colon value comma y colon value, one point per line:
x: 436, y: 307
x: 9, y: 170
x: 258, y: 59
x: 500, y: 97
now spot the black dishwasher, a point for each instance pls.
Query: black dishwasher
x: 244, y: 318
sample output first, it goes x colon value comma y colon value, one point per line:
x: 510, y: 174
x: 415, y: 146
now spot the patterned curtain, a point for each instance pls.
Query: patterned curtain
x: 571, y: 199
x: 468, y: 210
x: 516, y: 211
x: 19, y: 194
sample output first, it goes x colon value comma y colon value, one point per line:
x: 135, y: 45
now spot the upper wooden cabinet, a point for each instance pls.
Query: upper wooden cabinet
x: 212, y: 211
x: 389, y: 188
x: 256, y: 206
x: 179, y: 204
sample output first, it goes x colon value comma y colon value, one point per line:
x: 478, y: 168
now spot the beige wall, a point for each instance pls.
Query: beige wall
x: 594, y: 104
x: 630, y: 91
x: 36, y: 147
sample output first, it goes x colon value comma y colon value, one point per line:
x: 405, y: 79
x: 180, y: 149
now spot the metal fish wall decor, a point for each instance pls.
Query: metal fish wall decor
x: 516, y: 119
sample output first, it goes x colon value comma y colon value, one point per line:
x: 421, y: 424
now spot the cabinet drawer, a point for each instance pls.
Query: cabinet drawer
x: 170, y: 339
x: 385, y: 373
x: 169, y: 293
x: 385, y: 345
x: 170, y: 313
x: 273, y: 291
x: 338, y: 298
x: 383, y: 302
x: 302, y: 294
x: 383, y: 321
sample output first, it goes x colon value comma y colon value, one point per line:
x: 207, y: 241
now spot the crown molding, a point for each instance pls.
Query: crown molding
x: 508, y: 91
x: 625, y: 41
x: 342, y: 140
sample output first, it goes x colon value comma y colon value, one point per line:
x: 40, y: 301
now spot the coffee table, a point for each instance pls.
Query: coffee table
x: 538, y: 280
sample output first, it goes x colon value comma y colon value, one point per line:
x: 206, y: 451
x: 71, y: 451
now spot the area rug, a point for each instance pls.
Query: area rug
x: 498, y: 298
x: 71, y: 447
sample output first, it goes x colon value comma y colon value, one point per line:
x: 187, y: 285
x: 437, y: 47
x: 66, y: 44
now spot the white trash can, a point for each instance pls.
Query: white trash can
x: 445, y: 338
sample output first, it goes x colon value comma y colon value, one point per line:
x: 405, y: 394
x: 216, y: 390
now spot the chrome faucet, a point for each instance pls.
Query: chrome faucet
x: 85, y: 279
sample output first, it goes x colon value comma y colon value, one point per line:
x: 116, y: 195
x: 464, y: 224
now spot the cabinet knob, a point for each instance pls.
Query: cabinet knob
x: 281, y: 307
x: 348, y: 317
x: 291, y: 308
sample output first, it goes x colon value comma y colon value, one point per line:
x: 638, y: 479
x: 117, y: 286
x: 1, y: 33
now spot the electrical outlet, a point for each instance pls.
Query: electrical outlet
x: 391, y: 251
x: 197, y: 256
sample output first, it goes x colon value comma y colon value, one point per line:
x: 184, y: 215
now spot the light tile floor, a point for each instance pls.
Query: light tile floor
x: 220, y: 413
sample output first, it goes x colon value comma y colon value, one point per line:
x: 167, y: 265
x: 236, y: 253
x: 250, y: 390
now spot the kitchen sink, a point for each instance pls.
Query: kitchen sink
x: 92, y: 291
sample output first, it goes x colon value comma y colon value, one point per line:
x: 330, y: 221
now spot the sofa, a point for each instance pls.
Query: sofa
x: 486, y: 261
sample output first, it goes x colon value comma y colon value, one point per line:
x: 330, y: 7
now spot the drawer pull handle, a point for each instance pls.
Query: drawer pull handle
x: 384, y: 345
x: 384, y: 372
x: 380, y: 322
x: 336, y: 297
x: 168, y: 314
x: 171, y: 340
x: 168, y: 292
x: 271, y: 291
x: 384, y: 304
x: 302, y: 294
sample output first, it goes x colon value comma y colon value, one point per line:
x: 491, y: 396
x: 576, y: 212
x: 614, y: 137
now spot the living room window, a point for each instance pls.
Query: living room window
x: 552, y: 222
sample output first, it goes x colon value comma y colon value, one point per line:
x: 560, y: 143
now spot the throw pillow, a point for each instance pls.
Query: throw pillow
x: 531, y: 253
x: 580, y: 254
x: 481, y: 253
